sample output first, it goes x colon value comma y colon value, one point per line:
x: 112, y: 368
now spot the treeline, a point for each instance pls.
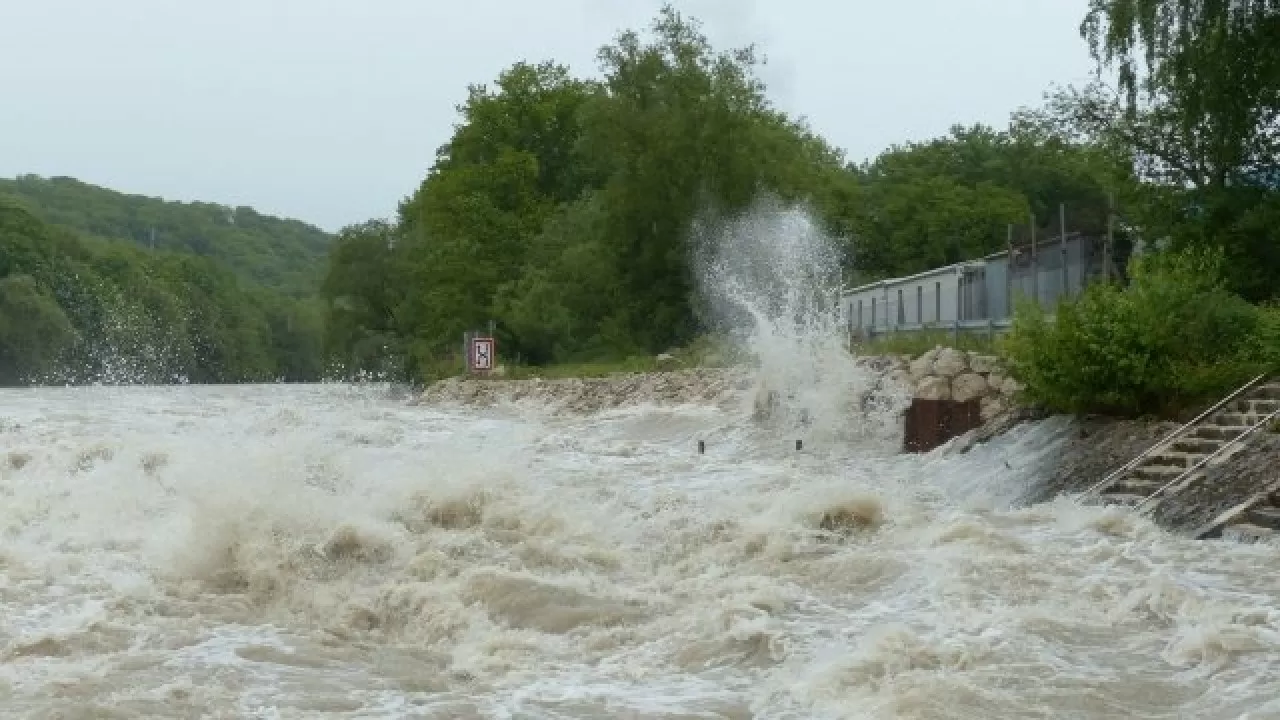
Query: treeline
x: 562, y: 208
x: 1196, y: 115
x: 77, y: 309
x: 279, y: 254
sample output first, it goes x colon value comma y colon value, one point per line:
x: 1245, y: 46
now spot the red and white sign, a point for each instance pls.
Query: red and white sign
x: 482, y: 355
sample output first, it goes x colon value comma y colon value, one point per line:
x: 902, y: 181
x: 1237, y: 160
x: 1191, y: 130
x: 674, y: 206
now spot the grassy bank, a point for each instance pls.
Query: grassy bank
x: 916, y: 344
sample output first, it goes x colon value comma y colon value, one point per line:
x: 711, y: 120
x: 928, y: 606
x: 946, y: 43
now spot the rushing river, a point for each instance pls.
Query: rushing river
x: 331, y: 551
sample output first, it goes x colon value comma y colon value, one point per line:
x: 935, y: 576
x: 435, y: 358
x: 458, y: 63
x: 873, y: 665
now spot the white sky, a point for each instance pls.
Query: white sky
x: 330, y: 110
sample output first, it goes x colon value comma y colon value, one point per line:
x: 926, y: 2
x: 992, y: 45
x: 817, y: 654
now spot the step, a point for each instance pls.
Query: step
x: 1219, y: 432
x: 1246, y: 533
x: 1236, y: 419
x: 1202, y: 446
x: 1172, y: 458
x: 1251, y: 403
x: 1124, y: 490
x: 1262, y: 407
x: 1267, y: 516
x: 1155, y: 473
x: 1123, y: 499
x: 1269, y: 391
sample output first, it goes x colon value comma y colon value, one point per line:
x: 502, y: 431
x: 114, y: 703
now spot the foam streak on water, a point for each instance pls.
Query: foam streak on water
x: 328, y: 552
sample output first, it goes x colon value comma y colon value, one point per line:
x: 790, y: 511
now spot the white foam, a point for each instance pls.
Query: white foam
x: 510, y: 564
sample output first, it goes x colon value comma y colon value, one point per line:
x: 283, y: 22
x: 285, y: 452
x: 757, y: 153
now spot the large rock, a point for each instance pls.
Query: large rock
x: 991, y: 408
x: 1010, y: 387
x: 950, y: 363
x: 900, y: 378
x: 968, y: 386
x: 995, y: 381
x: 934, y: 387
x: 984, y: 364
x: 923, y: 365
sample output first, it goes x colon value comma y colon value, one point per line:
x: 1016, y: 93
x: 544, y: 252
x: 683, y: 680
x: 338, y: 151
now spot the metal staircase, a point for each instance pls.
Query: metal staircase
x: 1180, y: 458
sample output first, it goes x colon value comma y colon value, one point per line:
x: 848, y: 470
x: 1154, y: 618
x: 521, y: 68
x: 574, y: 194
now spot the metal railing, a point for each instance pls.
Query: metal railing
x: 1171, y: 438
x: 1237, y: 440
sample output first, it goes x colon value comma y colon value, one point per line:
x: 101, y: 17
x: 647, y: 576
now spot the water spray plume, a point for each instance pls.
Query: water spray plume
x: 770, y: 278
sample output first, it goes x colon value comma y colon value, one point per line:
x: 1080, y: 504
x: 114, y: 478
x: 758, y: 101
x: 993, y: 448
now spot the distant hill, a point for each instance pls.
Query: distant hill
x: 283, y: 255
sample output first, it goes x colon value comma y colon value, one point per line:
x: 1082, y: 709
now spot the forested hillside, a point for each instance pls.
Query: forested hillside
x: 279, y: 254
x: 76, y: 309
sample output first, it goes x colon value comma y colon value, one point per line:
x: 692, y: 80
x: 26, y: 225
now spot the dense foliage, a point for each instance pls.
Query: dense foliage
x: 1196, y: 114
x: 562, y: 209
x: 76, y: 309
x: 282, y: 255
x: 1197, y: 111
x: 1172, y: 338
x: 563, y: 212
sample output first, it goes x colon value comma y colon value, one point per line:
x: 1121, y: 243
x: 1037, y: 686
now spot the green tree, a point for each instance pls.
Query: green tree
x: 466, y: 230
x: 1198, y: 112
x: 33, y: 329
x: 361, y: 292
x: 283, y: 255
x: 1209, y: 73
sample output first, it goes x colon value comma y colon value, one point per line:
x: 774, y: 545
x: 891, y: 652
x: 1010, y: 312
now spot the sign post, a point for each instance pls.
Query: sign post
x: 481, y: 354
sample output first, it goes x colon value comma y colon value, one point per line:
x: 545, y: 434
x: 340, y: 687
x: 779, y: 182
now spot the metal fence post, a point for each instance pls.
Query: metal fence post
x: 1106, y: 249
x: 1035, y: 263
x: 1062, y: 229
x: 1008, y: 273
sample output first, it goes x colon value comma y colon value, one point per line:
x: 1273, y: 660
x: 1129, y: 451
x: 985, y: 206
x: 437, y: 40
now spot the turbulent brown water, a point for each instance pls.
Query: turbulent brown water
x: 329, y: 551
x: 565, y: 552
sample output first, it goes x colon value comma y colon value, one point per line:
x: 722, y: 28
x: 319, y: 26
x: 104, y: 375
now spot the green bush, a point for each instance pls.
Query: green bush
x: 1170, y: 340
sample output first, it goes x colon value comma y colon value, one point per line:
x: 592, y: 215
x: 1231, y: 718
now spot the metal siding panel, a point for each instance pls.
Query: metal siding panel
x: 997, y: 289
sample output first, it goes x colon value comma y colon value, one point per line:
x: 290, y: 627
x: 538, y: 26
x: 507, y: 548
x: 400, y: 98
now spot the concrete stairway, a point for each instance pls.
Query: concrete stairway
x: 1180, y: 459
x: 1258, y: 518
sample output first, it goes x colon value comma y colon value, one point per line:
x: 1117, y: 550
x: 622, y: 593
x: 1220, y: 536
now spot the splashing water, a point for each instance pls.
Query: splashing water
x: 327, y: 551
x: 771, y: 277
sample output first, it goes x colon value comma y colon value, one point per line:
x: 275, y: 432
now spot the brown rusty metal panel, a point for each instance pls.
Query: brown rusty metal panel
x: 965, y: 416
x: 930, y: 423
x: 924, y: 426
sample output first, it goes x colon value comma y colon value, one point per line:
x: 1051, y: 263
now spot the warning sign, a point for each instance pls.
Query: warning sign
x: 481, y: 357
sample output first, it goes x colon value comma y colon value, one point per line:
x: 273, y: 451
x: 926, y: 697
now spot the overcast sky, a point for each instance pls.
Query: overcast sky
x: 330, y: 110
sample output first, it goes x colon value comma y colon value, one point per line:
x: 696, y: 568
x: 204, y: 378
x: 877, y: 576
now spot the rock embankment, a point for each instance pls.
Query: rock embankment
x: 945, y: 373
x: 587, y: 395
